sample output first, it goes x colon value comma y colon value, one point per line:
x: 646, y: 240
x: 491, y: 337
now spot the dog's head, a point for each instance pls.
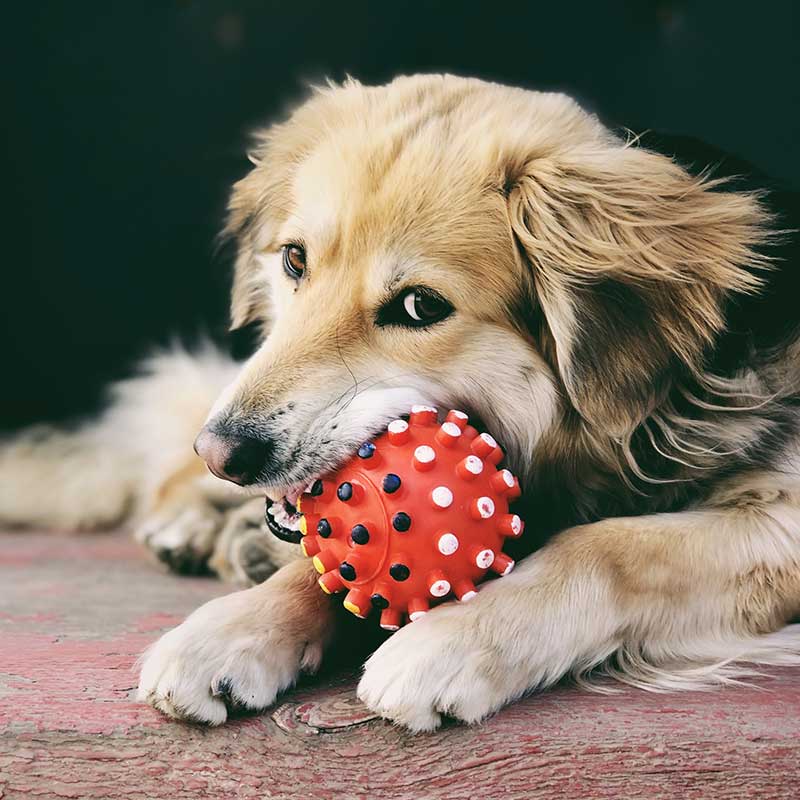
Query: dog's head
x: 457, y: 243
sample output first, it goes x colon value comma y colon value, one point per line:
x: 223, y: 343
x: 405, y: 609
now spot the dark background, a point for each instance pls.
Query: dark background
x: 125, y: 123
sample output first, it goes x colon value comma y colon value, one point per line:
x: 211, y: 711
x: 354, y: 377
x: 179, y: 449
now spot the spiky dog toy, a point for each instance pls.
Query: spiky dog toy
x: 419, y: 514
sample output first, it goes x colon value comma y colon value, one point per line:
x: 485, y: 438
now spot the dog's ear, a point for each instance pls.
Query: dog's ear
x: 630, y: 260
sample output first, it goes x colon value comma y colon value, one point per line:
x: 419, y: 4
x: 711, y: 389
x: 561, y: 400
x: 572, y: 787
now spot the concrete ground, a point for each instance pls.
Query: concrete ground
x: 76, y: 612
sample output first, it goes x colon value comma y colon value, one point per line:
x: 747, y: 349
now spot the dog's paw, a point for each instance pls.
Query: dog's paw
x: 252, y: 558
x: 245, y: 551
x: 182, y: 536
x: 220, y: 660
x: 437, y: 665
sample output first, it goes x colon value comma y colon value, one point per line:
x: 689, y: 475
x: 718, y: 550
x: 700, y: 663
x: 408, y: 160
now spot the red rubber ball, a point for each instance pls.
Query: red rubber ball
x: 417, y: 515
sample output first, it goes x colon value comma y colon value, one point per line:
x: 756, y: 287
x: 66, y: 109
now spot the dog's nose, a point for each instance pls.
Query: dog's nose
x: 239, y: 459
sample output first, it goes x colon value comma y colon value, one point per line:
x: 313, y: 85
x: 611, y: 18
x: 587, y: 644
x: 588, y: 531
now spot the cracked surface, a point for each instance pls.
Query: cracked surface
x: 76, y: 612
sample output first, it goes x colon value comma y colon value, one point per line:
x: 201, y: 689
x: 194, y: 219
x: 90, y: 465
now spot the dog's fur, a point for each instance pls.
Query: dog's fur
x: 622, y: 323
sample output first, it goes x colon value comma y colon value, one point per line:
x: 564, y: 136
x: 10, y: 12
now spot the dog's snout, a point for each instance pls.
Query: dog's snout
x: 239, y: 459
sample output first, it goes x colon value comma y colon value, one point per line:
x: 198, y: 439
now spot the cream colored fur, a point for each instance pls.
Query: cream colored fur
x: 506, y: 202
x: 133, y: 464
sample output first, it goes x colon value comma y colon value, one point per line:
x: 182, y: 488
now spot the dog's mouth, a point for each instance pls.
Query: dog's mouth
x: 282, y: 517
x: 281, y: 514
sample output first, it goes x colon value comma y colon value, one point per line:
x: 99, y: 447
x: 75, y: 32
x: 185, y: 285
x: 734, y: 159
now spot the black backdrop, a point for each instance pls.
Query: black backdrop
x: 124, y: 124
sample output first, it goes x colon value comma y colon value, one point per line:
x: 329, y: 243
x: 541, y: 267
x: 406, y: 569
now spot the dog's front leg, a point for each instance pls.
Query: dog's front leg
x: 668, y: 591
x: 240, y: 650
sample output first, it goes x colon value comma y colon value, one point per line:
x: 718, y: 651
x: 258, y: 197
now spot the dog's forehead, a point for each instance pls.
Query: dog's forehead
x: 401, y: 208
x: 320, y: 189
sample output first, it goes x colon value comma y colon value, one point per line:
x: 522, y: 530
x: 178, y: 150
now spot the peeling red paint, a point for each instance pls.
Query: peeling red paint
x: 71, y: 686
x: 21, y: 619
x: 157, y: 622
x: 69, y: 727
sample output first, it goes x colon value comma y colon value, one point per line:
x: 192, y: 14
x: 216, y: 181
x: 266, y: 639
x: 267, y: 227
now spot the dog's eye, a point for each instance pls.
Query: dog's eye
x: 294, y: 261
x: 424, y: 307
x: 415, y: 308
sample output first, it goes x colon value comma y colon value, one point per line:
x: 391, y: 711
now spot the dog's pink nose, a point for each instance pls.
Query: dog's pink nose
x: 239, y: 459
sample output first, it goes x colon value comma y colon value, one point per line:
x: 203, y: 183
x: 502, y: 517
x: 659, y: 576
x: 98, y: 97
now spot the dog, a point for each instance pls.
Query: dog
x: 623, y: 321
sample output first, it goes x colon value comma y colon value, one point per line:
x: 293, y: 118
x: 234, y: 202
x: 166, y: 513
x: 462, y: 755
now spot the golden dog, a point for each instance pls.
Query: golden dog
x: 619, y: 323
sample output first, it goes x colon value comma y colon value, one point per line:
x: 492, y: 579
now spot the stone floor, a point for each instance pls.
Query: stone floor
x: 76, y: 611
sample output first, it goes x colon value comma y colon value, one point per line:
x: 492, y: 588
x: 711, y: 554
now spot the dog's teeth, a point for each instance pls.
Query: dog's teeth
x: 292, y: 523
x: 279, y: 513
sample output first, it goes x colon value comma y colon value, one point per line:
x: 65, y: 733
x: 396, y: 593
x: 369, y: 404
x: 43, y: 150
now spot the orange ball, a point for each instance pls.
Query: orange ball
x: 418, y: 515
